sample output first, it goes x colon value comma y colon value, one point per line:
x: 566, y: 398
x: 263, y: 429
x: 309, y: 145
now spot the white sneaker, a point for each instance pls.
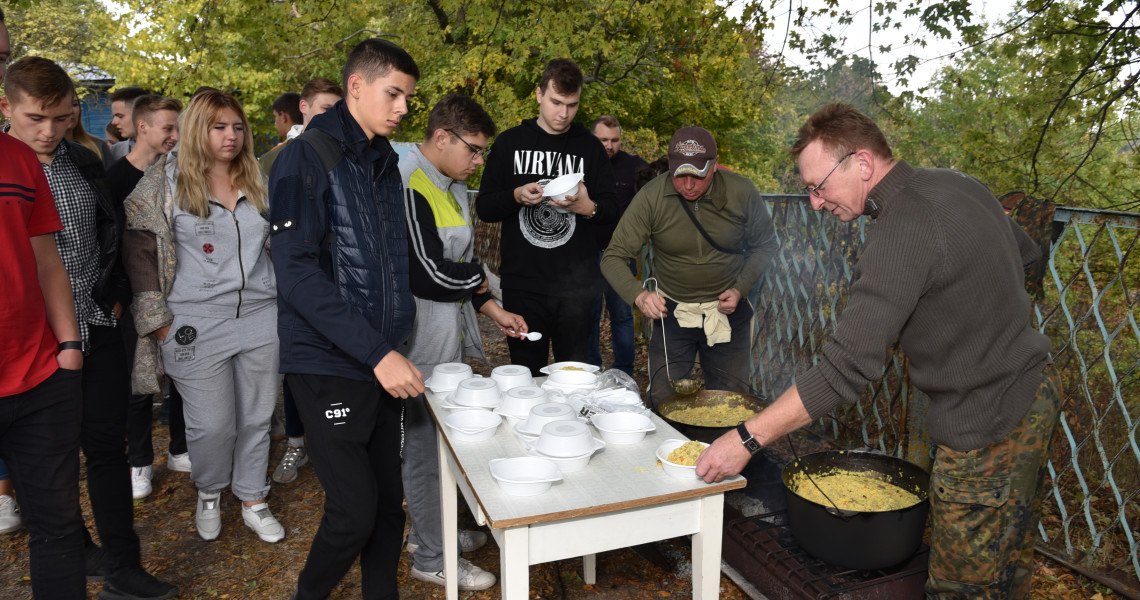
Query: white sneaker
x: 262, y: 522
x: 294, y: 458
x: 208, y: 517
x: 140, y: 482
x: 9, y: 515
x: 469, y: 541
x: 178, y: 462
x: 471, y: 578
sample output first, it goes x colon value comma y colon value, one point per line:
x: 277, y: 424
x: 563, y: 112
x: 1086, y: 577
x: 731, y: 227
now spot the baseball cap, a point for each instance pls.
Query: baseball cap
x: 691, y: 152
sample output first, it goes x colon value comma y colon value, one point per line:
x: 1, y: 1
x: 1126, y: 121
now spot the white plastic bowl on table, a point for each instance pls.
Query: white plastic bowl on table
x: 572, y: 378
x: 567, y: 464
x: 565, y: 439
x: 674, y: 469
x: 518, y: 401
x: 547, y: 412
x: 570, y: 365
x: 446, y: 376
x: 524, y: 475
x: 472, y: 425
x: 559, y: 187
x: 477, y: 392
x: 622, y: 427
x: 512, y: 376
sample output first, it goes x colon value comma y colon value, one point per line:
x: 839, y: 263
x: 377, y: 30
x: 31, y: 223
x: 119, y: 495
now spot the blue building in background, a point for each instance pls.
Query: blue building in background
x: 94, y: 97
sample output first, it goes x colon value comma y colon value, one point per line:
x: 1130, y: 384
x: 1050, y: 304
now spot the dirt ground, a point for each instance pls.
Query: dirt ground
x: 238, y: 565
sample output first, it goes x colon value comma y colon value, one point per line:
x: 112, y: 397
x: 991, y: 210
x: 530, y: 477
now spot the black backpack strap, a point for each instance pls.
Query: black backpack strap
x: 693, y: 218
x: 328, y: 148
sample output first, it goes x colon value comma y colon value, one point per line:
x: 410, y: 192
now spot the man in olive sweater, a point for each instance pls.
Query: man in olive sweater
x: 942, y: 272
x: 703, y: 273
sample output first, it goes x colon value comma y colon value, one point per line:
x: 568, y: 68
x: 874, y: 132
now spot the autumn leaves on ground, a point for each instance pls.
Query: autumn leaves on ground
x: 238, y: 565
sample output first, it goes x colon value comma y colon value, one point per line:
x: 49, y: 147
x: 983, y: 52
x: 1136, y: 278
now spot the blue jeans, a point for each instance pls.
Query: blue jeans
x: 621, y: 325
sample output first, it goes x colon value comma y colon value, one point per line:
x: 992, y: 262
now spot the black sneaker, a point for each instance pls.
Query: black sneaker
x: 133, y: 583
x: 95, y: 562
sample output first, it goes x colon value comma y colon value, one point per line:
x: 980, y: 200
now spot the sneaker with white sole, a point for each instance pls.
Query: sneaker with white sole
x: 471, y: 578
x: 208, y: 517
x: 263, y: 523
x: 140, y: 482
x: 9, y: 514
x: 469, y: 541
x: 294, y: 458
x: 178, y: 462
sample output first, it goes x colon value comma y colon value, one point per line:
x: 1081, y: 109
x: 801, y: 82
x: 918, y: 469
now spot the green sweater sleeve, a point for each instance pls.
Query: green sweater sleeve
x: 631, y: 235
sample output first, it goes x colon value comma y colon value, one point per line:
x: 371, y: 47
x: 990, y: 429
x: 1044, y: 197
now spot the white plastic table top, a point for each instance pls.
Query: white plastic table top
x: 622, y: 498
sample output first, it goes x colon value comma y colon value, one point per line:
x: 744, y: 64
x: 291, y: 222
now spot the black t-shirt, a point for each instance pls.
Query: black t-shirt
x: 122, y: 178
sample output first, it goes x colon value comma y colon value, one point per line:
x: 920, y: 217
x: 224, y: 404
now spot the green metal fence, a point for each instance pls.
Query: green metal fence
x: 1087, y: 307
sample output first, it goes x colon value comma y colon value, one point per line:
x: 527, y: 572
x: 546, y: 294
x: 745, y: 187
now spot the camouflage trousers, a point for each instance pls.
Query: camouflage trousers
x: 985, y: 505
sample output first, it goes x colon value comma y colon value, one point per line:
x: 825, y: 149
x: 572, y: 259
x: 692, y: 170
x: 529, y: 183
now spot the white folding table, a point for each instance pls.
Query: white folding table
x: 622, y: 498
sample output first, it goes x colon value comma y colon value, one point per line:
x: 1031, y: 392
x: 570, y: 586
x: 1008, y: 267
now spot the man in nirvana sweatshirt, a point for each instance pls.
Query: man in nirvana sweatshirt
x: 548, y: 256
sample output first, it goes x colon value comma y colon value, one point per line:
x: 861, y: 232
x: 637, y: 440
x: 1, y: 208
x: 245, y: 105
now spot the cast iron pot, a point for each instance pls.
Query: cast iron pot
x: 853, y: 539
x: 706, y: 398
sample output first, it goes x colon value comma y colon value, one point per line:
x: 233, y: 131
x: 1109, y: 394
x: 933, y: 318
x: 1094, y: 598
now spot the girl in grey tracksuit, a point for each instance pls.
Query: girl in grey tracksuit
x: 205, y: 298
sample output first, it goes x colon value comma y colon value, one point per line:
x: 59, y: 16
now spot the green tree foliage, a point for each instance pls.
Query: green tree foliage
x: 70, y: 32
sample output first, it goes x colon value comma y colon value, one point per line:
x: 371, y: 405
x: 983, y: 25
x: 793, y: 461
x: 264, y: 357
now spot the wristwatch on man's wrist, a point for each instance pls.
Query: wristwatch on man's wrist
x: 746, y: 438
x: 71, y: 345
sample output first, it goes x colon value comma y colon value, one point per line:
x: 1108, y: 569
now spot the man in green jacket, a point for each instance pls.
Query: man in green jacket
x: 711, y: 238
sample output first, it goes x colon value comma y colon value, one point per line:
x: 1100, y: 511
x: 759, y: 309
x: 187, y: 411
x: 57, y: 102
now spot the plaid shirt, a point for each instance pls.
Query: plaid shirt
x: 75, y: 200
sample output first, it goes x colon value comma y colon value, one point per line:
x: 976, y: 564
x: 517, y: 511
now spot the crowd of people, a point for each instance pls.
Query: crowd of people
x: 174, y: 261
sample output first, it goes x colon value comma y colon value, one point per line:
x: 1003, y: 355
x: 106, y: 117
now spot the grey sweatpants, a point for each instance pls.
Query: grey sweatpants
x: 226, y: 370
x: 420, y: 473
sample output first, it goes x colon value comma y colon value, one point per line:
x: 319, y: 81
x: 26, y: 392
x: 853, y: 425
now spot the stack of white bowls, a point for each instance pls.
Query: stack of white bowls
x: 446, y: 377
x: 540, y: 415
x: 518, y: 401
x: 569, y: 382
x: 568, y: 444
x: 512, y: 376
x: 477, y: 392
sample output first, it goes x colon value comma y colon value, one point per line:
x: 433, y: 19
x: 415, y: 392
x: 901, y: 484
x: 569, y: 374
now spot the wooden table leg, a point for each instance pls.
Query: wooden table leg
x: 514, y: 561
x: 450, y: 513
x: 706, y: 549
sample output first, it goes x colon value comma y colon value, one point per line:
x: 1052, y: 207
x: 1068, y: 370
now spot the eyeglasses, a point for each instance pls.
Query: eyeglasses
x: 814, y: 190
x: 475, y: 150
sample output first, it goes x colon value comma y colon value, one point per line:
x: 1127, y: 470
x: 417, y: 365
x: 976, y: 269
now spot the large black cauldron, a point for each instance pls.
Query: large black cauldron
x: 851, y: 539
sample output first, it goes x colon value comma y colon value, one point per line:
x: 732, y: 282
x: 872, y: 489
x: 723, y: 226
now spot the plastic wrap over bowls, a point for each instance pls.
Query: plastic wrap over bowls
x: 524, y: 475
x: 446, y: 376
x: 542, y: 414
x: 472, y: 425
x: 518, y: 401
x: 477, y: 392
x: 512, y: 376
x: 565, y: 439
x: 622, y: 427
x: 560, y: 187
x: 673, y: 469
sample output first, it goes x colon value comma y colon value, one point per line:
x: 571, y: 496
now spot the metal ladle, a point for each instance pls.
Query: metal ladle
x: 684, y: 387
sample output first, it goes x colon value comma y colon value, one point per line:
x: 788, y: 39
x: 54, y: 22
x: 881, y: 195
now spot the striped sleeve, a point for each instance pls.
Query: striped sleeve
x: 432, y: 276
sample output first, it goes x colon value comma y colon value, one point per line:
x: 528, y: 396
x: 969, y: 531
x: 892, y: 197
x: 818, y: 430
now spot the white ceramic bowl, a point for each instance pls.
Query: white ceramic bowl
x: 524, y: 475
x: 447, y: 376
x: 559, y: 366
x: 512, y: 376
x: 565, y: 439
x: 472, y: 425
x: 477, y: 392
x: 565, y: 378
x: 622, y: 427
x: 518, y: 401
x: 547, y: 412
x: 674, y: 469
x: 559, y: 187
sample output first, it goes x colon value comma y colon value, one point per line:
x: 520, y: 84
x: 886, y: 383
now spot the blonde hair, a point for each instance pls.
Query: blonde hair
x: 195, y: 158
x: 80, y: 135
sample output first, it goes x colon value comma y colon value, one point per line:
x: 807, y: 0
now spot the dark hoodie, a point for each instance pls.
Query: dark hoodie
x: 541, y: 250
